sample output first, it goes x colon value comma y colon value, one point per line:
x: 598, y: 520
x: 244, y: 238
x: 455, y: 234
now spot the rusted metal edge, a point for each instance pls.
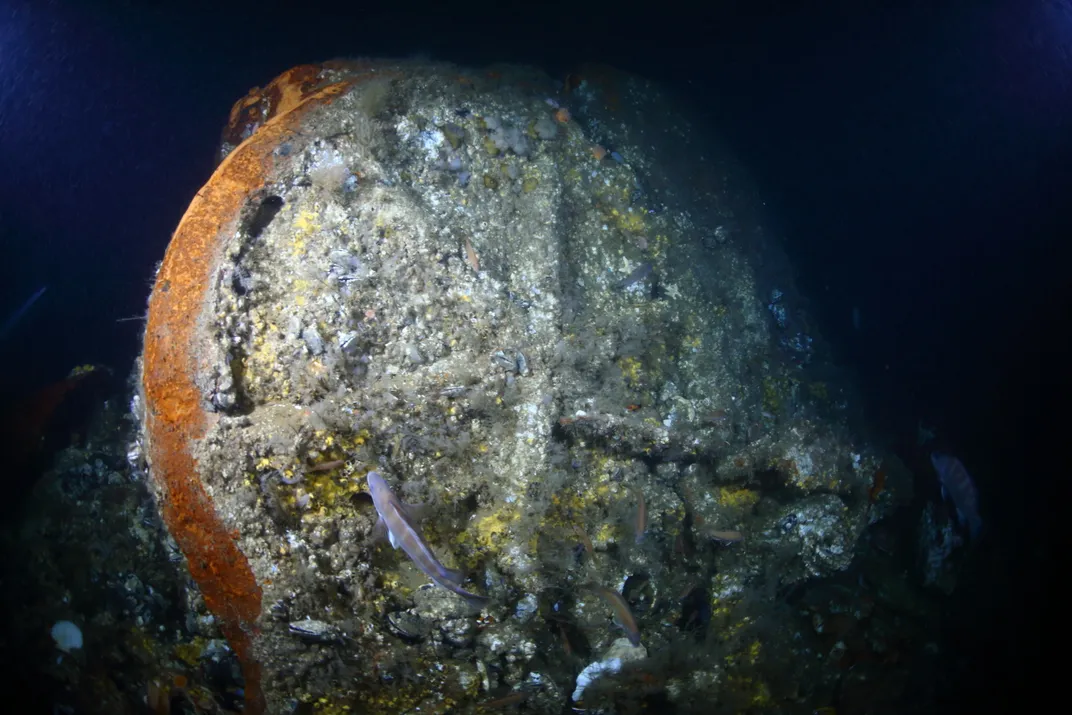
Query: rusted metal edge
x: 175, y: 415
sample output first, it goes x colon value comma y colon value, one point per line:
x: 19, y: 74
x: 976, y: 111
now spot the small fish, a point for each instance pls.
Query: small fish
x: 564, y: 638
x: 680, y: 546
x: 470, y: 255
x: 403, y: 534
x: 623, y: 617
x: 957, y: 486
x: 635, y: 276
x: 583, y: 536
x: 727, y: 535
x: 641, y: 516
x: 878, y: 485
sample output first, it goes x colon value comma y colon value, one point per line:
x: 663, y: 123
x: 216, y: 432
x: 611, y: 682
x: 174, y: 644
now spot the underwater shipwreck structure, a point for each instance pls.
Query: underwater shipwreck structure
x: 547, y: 312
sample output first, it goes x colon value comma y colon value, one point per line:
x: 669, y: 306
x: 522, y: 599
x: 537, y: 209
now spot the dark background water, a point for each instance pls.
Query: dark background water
x: 917, y: 161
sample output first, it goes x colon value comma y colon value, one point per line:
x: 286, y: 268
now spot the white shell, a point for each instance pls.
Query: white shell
x: 67, y: 635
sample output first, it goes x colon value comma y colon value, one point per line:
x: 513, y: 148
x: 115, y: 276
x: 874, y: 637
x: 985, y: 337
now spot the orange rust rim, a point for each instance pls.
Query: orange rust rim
x: 175, y: 416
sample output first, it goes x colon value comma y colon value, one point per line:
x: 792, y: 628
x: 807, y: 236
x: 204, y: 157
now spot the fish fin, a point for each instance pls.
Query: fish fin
x: 455, y: 576
x: 475, y: 601
x: 379, y: 530
x: 416, y: 513
x: 394, y: 540
x: 451, y: 579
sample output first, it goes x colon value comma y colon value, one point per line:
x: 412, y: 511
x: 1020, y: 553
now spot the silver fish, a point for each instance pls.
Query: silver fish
x: 623, y: 617
x: 404, y: 534
x: 957, y: 485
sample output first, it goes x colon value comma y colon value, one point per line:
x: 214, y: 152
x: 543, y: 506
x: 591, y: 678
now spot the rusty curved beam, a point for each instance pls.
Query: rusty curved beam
x: 175, y: 416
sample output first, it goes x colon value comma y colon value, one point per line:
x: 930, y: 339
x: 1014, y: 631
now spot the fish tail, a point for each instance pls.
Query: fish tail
x: 477, y: 601
x: 474, y: 600
x: 452, y: 579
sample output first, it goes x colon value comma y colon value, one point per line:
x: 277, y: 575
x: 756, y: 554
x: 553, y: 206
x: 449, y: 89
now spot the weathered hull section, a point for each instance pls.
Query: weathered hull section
x: 550, y: 313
